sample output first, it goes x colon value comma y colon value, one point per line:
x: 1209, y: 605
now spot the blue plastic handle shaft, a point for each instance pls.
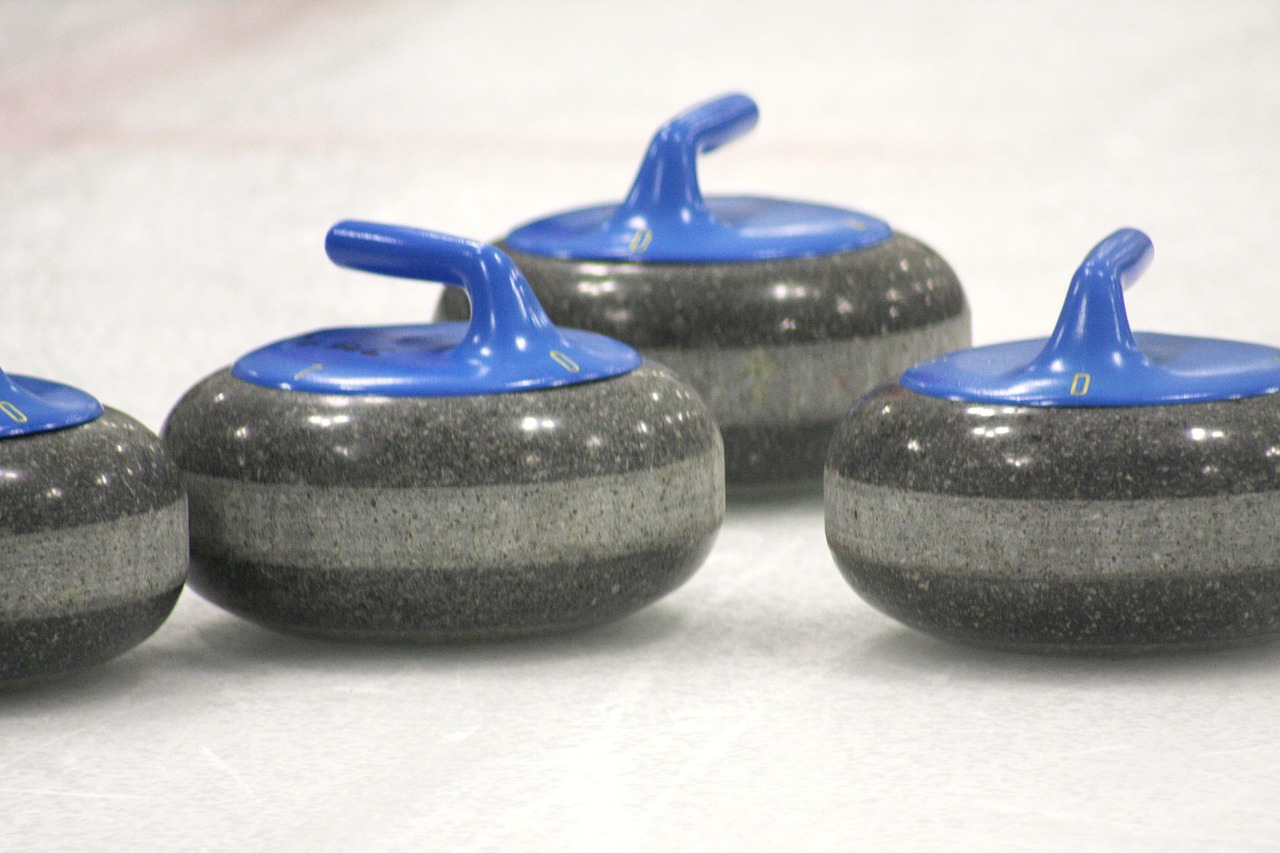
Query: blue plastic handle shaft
x: 504, y: 312
x: 1094, y: 325
x: 666, y: 187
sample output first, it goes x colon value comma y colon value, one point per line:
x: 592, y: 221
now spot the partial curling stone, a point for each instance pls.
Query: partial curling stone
x: 446, y: 481
x: 1098, y: 492
x: 780, y: 313
x: 93, y: 531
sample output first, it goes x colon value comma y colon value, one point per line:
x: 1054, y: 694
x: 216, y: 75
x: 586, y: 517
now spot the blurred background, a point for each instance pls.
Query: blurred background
x: 168, y: 174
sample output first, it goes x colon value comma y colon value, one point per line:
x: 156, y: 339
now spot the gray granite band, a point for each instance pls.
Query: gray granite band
x: 1066, y: 539
x: 73, y: 570
x: 808, y: 382
x: 489, y: 527
x: 1114, y: 577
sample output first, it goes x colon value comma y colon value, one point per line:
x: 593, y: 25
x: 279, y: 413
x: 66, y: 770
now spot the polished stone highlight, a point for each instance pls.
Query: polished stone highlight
x: 438, y: 518
x: 1077, y: 530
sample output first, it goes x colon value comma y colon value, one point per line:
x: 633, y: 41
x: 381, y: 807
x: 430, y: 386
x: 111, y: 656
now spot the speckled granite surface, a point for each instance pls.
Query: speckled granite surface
x: 1103, y: 530
x: 93, y: 538
x: 168, y: 170
x: 436, y: 518
x: 778, y: 349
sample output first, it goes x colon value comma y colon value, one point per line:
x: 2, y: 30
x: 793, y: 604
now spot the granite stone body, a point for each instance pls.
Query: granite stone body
x: 443, y: 518
x: 93, y: 522
x: 778, y: 349
x: 1105, y: 530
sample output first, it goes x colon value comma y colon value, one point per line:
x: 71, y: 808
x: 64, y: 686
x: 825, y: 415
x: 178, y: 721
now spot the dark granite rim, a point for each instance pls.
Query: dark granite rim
x: 92, y: 473
x: 903, y: 440
x: 893, y: 286
x: 1098, y: 615
x: 38, y: 649
x: 645, y: 419
x: 432, y: 606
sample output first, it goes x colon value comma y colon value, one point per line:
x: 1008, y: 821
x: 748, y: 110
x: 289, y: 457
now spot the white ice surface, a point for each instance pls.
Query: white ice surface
x: 167, y: 175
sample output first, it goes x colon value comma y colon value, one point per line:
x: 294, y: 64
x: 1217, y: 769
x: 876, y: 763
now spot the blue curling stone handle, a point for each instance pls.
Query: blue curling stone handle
x: 509, y: 345
x: 29, y: 405
x: 666, y: 219
x: 1094, y: 359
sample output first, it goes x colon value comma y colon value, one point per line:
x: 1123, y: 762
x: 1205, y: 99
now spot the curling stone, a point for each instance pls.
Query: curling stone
x: 780, y: 313
x: 1097, y: 492
x: 445, y: 481
x: 93, y: 531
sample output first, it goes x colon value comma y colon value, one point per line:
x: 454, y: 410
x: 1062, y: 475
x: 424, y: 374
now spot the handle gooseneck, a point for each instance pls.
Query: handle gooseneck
x: 666, y: 187
x: 1093, y: 328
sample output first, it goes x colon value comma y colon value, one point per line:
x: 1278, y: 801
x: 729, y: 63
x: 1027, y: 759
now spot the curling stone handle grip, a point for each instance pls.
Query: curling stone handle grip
x: 402, y: 252
x: 505, y: 314
x: 666, y: 187
x: 1120, y: 258
x: 706, y: 126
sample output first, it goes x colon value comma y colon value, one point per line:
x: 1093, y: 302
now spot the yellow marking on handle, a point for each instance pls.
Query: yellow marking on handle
x: 1080, y: 384
x: 564, y: 361
x: 304, y: 371
x: 641, y: 240
x: 13, y: 411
